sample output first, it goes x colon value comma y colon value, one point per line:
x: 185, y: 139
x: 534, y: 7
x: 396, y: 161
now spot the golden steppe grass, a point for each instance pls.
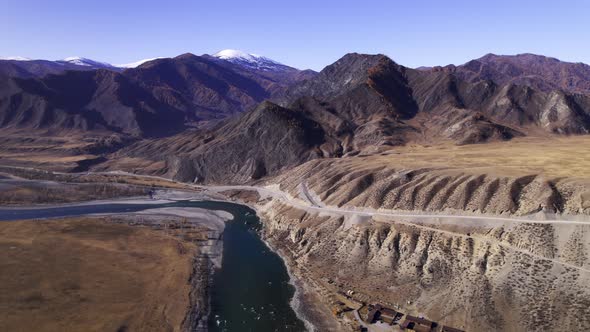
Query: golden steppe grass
x: 85, y: 274
x: 552, y: 157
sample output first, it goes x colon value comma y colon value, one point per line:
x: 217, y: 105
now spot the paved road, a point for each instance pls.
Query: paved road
x: 312, y: 205
x: 308, y: 204
x: 305, y: 192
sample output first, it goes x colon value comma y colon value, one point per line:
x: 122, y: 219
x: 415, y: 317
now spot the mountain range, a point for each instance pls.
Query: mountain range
x: 540, y: 72
x: 158, y: 97
x: 240, y: 116
x: 38, y: 67
x: 364, y: 104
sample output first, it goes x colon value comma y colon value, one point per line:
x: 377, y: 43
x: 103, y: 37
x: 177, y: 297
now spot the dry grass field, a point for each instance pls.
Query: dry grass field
x: 45, y: 150
x: 84, y: 274
x: 523, y: 176
x: 97, y: 178
x: 552, y: 157
x: 30, y: 192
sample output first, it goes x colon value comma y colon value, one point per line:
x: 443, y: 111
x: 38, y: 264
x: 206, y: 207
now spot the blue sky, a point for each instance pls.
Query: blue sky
x: 304, y: 34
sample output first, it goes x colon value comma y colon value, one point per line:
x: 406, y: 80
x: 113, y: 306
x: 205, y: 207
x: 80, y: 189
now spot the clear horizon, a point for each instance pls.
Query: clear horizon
x: 304, y: 34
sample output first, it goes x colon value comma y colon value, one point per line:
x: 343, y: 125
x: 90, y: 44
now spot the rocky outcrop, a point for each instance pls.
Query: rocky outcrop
x: 519, y: 107
x: 472, y: 273
x: 249, y: 147
x: 509, y: 277
x: 197, y: 314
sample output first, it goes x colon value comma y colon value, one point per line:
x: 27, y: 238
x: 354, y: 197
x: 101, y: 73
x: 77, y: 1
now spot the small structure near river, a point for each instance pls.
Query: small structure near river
x: 379, y: 313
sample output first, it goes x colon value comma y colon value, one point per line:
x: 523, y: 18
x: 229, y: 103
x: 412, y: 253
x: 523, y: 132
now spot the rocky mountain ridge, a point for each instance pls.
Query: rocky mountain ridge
x: 361, y: 104
x: 537, y: 71
x: 158, y: 98
x: 365, y: 104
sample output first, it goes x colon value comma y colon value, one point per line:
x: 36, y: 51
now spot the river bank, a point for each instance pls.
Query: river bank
x: 176, y: 218
x: 305, y: 298
x: 309, y: 297
x: 307, y: 301
x: 196, y: 228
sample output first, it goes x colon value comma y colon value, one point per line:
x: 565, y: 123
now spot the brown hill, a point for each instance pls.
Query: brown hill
x: 518, y: 106
x: 537, y: 71
x: 99, y: 100
x: 249, y: 146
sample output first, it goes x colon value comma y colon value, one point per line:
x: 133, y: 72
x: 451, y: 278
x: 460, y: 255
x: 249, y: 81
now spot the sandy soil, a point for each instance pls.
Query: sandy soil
x: 209, y: 219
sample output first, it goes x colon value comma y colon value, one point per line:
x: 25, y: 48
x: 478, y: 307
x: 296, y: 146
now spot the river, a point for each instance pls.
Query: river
x: 251, y: 290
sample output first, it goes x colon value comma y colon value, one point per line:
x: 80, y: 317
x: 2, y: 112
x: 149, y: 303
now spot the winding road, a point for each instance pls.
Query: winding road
x: 309, y: 202
x: 312, y: 205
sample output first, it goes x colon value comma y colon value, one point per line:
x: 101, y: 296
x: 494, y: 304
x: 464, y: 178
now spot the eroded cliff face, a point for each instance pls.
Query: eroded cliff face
x: 355, y: 182
x: 469, y: 274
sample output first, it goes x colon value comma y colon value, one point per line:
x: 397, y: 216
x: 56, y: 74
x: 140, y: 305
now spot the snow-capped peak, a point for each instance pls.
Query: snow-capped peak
x: 249, y: 60
x: 15, y: 58
x: 80, y: 61
x: 137, y: 63
x: 236, y: 54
